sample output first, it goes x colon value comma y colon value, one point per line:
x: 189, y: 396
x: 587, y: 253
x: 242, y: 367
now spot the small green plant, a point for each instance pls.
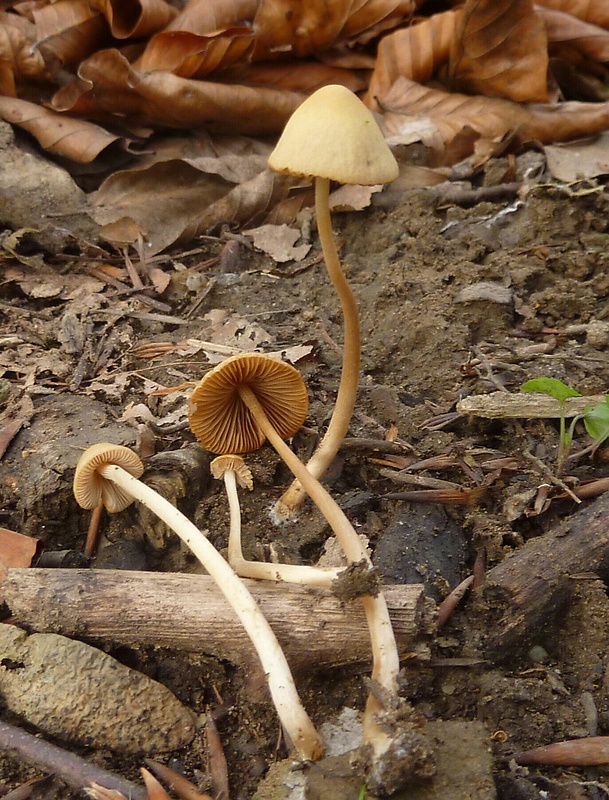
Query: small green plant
x: 596, y: 419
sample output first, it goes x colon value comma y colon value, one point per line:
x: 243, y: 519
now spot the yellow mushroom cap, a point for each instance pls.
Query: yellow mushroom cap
x: 232, y: 463
x: 223, y: 423
x: 333, y: 135
x: 91, y: 489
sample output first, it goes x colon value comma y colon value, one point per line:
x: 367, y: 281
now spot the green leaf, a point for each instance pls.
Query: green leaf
x: 551, y: 386
x: 596, y: 421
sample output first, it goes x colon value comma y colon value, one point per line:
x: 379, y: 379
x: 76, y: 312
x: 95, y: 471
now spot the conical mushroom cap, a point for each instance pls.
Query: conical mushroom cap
x: 333, y: 135
x: 224, y: 424
x: 91, y: 489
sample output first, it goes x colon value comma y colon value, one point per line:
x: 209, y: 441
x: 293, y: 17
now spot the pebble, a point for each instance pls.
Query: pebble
x: 77, y: 693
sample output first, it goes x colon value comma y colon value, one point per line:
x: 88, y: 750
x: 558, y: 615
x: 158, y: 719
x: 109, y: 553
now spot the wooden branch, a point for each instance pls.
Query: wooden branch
x: 526, y: 595
x: 501, y: 405
x: 188, y: 612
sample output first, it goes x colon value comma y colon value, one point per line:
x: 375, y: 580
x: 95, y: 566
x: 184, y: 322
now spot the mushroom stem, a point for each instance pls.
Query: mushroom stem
x: 319, y: 577
x: 294, y: 718
x: 386, y: 663
x: 327, y: 449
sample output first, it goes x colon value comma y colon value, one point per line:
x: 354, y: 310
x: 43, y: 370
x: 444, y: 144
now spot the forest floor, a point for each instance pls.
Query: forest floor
x: 454, y: 302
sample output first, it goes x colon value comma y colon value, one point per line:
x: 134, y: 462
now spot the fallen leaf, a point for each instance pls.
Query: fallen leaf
x: 588, y: 10
x: 590, y: 40
x: 415, y: 53
x: 13, y: 419
x: 108, y: 84
x: 18, y: 55
x: 16, y: 550
x: 579, y: 160
x: 279, y: 242
x: 69, y: 31
x: 76, y: 139
x: 353, y: 197
x: 491, y: 117
x: 500, y: 49
x: 135, y: 18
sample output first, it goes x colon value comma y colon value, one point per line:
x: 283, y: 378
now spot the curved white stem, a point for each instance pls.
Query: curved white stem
x: 294, y: 718
x: 318, y: 577
x: 386, y: 662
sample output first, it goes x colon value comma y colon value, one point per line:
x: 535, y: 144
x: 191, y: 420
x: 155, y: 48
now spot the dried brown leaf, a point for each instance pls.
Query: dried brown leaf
x: 108, y: 84
x: 76, y: 139
x: 500, y: 50
x: 19, y: 58
x: 368, y: 18
x: 491, y: 117
x: 279, y: 242
x: 297, y: 27
x: 135, y: 18
x: 414, y: 53
x: 205, y: 18
x: 192, y: 55
x: 297, y: 76
x: 565, y: 29
x: 589, y: 10
x: 16, y: 550
x: 69, y: 31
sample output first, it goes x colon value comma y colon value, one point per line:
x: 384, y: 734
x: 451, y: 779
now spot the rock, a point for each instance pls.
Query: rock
x: 422, y: 545
x: 77, y: 693
x: 463, y: 762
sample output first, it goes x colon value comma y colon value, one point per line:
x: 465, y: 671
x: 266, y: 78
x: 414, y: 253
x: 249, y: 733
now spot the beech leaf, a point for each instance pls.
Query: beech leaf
x: 414, y: 53
x: 500, y: 50
x: 491, y: 117
x: 108, y: 83
x: 76, y: 139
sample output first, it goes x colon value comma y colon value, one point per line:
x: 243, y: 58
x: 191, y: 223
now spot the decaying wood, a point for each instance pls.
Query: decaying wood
x: 502, y: 405
x: 526, y: 595
x: 188, y: 612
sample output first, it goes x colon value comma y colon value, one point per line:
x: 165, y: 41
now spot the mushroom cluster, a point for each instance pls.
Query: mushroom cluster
x: 250, y: 398
x: 109, y: 474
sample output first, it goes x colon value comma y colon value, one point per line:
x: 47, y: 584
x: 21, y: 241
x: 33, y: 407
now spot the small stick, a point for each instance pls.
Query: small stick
x: 72, y: 769
x: 451, y: 601
x: 218, y: 767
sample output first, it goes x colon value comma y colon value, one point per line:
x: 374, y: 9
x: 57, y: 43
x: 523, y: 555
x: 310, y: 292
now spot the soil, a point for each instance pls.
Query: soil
x: 453, y: 302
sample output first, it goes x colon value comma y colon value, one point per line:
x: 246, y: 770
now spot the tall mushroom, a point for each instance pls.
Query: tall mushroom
x: 235, y: 472
x: 109, y: 474
x: 332, y: 136
x: 250, y: 398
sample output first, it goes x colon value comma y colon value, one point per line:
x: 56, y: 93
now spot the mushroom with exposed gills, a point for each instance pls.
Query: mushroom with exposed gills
x: 109, y: 473
x: 250, y: 398
x: 235, y: 472
x: 333, y: 136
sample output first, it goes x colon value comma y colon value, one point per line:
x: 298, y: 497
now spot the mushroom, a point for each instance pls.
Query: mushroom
x: 109, y: 473
x: 236, y: 473
x: 333, y: 136
x: 249, y: 398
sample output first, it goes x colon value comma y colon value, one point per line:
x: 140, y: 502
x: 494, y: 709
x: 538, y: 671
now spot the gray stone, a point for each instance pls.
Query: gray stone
x: 77, y: 693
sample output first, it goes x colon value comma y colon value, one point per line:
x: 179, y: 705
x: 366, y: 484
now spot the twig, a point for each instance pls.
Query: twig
x: 73, y: 769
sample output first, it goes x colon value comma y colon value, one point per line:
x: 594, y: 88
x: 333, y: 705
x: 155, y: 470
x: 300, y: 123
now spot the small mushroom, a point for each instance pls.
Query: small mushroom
x: 109, y: 473
x: 236, y: 473
x: 251, y: 397
x: 333, y: 136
